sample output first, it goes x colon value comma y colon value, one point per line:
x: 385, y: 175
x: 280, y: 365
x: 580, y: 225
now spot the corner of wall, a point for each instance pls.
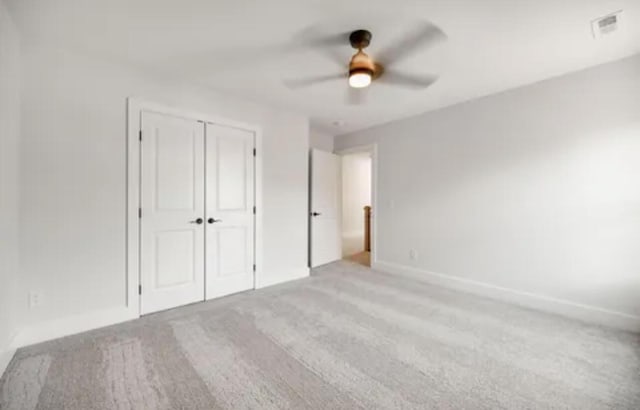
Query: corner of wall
x: 321, y: 140
x: 10, y: 117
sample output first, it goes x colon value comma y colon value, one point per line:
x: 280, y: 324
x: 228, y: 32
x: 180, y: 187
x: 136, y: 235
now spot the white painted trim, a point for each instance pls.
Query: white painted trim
x: 573, y: 310
x: 135, y: 107
x: 6, y: 354
x: 70, y: 325
x: 276, y: 280
x: 259, y: 204
x: 42, y: 332
x: 373, y: 149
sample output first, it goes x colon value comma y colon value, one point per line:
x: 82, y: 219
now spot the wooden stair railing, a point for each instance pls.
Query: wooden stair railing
x: 367, y: 228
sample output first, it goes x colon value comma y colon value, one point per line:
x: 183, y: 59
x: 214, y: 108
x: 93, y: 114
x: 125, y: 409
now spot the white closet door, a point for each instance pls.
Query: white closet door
x: 326, y: 239
x: 230, y: 202
x: 172, y: 201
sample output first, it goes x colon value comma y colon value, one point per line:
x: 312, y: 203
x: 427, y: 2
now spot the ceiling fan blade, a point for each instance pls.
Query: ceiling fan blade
x: 326, y: 44
x: 357, y: 96
x: 314, y: 37
x: 309, y: 81
x: 425, y: 35
x: 415, y: 81
x: 210, y: 62
x: 207, y: 62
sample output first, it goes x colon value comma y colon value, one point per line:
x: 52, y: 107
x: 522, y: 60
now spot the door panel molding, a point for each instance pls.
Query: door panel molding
x: 135, y: 108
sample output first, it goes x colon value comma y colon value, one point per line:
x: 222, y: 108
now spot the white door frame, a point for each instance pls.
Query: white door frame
x: 135, y: 107
x: 373, y: 150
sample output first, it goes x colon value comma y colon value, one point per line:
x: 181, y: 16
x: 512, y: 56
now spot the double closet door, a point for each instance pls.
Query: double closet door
x: 197, y: 211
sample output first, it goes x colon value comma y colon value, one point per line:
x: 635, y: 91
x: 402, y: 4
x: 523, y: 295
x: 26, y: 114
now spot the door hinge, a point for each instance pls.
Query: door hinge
x: 254, y: 152
x: 139, y: 212
x: 140, y: 135
x: 254, y: 210
x: 139, y: 289
x: 254, y: 267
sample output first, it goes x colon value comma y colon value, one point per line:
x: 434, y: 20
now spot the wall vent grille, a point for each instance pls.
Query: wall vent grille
x: 606, y: 25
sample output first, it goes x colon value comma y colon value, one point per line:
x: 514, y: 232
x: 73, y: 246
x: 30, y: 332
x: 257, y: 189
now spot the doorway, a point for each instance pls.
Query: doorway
x: 356, y: 207
x: 342, y: 204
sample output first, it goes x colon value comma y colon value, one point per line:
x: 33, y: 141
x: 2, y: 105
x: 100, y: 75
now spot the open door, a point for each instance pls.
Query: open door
x: 326, y: 239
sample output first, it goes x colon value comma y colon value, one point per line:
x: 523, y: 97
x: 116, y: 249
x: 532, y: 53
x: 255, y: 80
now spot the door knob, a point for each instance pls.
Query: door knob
x: 198, y: 221
x: 213, y: 220
x: 315, y: 214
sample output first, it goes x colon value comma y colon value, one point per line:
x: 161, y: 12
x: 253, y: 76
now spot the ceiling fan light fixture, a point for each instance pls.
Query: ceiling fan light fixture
x: 361, y: 70
x: 360, y: 78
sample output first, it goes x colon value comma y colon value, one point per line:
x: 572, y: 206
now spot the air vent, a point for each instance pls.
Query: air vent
x: 607, y: 25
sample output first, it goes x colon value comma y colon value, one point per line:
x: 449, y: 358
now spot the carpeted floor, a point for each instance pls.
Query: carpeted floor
x: 346, y: 338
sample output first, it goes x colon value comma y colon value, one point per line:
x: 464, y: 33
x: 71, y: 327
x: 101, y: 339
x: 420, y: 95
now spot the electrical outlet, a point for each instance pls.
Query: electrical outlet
x: 413, y: 254
x: 35, y: 299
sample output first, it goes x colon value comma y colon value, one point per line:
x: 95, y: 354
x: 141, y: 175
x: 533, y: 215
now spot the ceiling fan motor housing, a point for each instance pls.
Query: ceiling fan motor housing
x: 360, y: 39
x: 361, y: 63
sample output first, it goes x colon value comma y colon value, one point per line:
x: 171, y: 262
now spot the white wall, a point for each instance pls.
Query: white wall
x: 536, y: 189
x: 356, y: 194
x: 9, y: 173
x: 73, y: 179
x: 320, y: 140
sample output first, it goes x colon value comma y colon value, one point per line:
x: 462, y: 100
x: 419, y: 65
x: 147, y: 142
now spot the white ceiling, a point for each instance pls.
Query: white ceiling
x: 492, y: 45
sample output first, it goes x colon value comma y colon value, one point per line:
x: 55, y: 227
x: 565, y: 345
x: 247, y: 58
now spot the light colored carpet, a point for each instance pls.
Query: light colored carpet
x: 346, y: 338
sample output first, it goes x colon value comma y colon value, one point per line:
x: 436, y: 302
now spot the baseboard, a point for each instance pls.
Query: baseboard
x: 6, y: 354
x: 53, y: 329
x: 270, y: 280
x: 573, y: 310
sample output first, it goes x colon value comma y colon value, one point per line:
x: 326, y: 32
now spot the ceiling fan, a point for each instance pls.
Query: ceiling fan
x: 364, y: 70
